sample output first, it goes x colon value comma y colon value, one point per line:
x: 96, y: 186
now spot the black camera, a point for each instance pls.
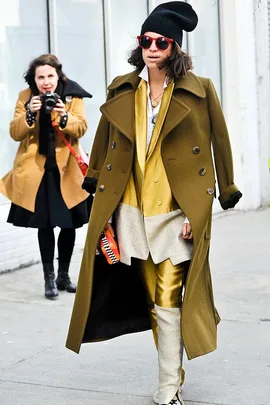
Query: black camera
x: 49, y: 100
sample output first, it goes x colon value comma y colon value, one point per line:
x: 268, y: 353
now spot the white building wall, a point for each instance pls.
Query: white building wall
x: 244, y: 83
x: 240, y: 96
x: 262, y: 33
x: 18, y: 246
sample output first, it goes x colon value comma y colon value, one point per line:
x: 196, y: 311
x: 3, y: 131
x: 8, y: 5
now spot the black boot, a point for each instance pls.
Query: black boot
x: 49, y: 277
x: 63, y: 281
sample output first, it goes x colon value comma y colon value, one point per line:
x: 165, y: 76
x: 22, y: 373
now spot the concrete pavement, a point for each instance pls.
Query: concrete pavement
x: 35, y: 367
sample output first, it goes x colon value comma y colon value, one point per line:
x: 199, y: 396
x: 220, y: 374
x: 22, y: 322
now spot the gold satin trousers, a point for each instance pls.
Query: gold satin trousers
x: 164, y: 284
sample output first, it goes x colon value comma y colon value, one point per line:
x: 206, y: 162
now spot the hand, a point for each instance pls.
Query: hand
x: 60, y: 108
x: 35, y: 104
x: 187, y: 231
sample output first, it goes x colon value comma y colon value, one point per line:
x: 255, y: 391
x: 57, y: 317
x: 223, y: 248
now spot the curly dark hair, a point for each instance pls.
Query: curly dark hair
x: 176, y: 65
x: 46, y: 59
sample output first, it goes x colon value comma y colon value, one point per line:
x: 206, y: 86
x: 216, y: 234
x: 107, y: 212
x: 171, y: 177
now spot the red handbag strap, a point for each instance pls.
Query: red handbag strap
x: 72, y: 150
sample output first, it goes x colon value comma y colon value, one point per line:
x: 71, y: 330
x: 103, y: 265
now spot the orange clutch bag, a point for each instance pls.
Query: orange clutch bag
x: 109, y: 247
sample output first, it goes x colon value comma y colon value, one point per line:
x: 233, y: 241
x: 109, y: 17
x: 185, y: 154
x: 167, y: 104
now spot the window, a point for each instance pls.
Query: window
x: 23, y: 36
x: 203, y: 42
x: 123, y: 24
x: 79, y: 45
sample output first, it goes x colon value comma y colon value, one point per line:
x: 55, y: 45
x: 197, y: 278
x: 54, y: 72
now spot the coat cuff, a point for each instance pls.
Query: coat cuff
x: 89, y: 184
x: 230, y: 197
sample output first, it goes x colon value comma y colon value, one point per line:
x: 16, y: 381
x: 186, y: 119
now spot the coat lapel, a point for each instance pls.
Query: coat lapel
x: 166, y: 99
x: 177, y: 111
x: 119, y: 111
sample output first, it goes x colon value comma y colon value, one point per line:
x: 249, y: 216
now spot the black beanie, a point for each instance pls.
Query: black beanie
x: 170, y: 19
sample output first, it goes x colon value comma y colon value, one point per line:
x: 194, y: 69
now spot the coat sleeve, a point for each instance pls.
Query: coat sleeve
x: 76, y: 124
x: 19, y: 129
x: 98, y: 153
x: 229, y: 193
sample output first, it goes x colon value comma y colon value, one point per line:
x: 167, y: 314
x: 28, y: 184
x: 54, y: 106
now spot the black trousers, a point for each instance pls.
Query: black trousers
x: 65, y: 244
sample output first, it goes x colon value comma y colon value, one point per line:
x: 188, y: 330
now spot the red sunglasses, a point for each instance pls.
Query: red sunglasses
x: 162, y: 43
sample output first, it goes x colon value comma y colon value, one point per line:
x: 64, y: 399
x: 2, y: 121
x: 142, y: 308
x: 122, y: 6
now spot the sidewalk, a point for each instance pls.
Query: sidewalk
x: 35, y: 367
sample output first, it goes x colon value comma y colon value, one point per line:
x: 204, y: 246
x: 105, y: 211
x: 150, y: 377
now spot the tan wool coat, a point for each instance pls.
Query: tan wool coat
x: 21, y: 184
x: 110, y: 301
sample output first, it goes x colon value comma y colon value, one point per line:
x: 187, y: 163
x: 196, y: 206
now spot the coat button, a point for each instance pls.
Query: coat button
x: 196, y: 150
x: 64, y: 168
x: 109, y: 167
x: 202, y: 172
x: 113, y: 145
x: 159, y: 203
x: 101, y: 187
x: 155, y: 180
x: 210, y: 191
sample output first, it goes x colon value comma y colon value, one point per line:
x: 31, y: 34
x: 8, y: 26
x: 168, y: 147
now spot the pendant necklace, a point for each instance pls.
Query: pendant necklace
x: 155, y: 101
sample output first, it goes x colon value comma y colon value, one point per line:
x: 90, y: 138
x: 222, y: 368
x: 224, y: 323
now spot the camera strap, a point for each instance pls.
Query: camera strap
x: 82, y: 159
x: 68, y: 144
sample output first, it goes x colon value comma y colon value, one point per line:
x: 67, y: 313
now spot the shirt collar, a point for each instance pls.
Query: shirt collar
x: 145, y: 76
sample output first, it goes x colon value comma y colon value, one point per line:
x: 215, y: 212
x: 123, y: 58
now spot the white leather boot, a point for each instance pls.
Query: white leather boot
x: 156, y: 396
x: 170, y: 355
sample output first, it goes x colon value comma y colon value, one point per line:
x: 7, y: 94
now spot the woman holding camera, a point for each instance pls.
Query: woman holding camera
x: 45, y: 182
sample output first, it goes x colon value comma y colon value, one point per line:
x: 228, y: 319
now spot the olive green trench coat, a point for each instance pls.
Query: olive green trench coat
x: 110, y: 301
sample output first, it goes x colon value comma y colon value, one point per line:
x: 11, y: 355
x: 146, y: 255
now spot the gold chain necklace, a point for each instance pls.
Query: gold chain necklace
x: 155, y: 101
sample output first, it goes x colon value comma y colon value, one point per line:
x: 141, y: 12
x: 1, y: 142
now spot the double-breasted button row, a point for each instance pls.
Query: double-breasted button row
x: 196, y: 150
x: 210, y: 191
x: 101, y: 187
x: 113, y: 145
x: 202, y: 172
x: 109, y: 166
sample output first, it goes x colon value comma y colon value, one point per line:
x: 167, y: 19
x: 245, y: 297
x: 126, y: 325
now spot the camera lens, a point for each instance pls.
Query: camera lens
x: 50, y: 102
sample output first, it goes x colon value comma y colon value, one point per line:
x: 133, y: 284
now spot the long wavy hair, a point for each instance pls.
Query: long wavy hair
x: 176, y: 65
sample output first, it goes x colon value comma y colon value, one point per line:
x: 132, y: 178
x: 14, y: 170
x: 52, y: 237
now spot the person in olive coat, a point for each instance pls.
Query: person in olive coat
x: 152, y: 171
x: 44, y: 184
